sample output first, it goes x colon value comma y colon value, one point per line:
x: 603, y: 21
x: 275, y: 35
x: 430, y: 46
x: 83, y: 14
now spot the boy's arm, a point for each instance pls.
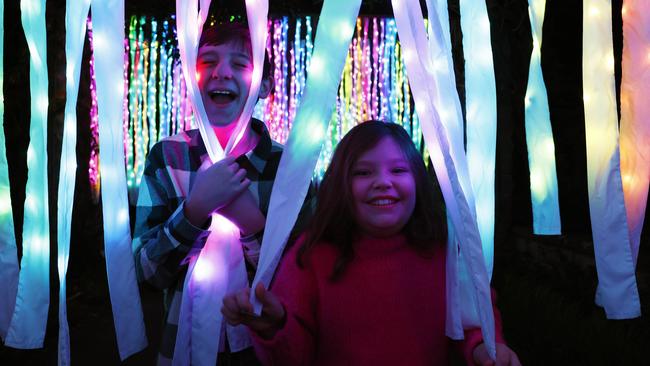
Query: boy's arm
x: 252, y: 242
x: 163, y: 237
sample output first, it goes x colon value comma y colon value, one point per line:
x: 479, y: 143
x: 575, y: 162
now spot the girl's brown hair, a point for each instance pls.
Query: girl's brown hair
x: 334, y: 221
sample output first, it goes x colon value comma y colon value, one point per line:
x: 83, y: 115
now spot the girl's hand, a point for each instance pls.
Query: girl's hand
x: 237, y: 309
x: 505, y: 356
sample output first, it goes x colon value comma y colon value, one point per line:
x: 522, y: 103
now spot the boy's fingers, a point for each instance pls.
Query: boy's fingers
x: 240, y: 175
x: 205, y: 165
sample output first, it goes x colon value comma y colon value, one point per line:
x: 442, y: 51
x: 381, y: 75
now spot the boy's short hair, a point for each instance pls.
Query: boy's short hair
x: 236, y: 32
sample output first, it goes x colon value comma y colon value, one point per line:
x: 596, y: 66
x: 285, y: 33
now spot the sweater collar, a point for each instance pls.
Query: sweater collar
x: 368, y: 246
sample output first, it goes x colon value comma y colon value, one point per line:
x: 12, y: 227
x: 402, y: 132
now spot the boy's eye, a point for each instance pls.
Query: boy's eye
x: 400, y: 170
x: 242, y: 64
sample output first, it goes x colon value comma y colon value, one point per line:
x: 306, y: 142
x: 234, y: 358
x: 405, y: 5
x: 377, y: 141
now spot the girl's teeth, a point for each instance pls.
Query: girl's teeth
x: 382, y: 202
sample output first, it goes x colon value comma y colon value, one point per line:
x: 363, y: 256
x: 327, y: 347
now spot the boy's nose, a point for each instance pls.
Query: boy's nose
x: 222, y: 71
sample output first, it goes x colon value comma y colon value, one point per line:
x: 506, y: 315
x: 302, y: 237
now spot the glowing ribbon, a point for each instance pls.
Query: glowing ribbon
x: 8, y: 251
x: 539, y: 136
x: 189, y: 24
x: 460, y: 299
x: 635, y: 111
x: 108, y: 44
x: 335, y: 29
x: 220, y: 266
x: 27, y: 328
x: 480, y: 92
x: 410, y: 25
x: 75, y: 18
x: 617, y: 291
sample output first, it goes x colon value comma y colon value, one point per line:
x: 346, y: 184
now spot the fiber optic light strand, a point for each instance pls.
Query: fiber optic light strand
x: 539, y: 136
x: 617, y: 290
x: 374, y: 59
x: 635, y: 111
x: 410, y: 23
x: 309, y: 129
x: 108, y: 22
x: 76, y: 17
x: 8, y: 250
x: 27, y: 327
x: 93, y: 161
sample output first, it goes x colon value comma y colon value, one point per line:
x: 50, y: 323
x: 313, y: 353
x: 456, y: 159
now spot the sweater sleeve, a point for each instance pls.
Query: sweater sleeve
x: 163, y: 237
x: 474, y: 337
x: 297, y: 289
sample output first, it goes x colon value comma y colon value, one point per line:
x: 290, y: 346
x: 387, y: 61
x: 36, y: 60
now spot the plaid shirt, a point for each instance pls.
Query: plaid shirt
x: 164, y: 239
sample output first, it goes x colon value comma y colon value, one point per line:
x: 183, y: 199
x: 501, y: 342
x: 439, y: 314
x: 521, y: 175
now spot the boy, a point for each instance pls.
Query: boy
x: 176, y: 200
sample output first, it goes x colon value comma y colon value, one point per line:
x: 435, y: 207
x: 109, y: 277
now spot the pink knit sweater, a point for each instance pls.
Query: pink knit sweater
x: 387, y: 309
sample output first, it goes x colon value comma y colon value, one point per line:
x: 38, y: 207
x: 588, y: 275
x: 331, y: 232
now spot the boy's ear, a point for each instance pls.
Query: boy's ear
x: 266, y: 87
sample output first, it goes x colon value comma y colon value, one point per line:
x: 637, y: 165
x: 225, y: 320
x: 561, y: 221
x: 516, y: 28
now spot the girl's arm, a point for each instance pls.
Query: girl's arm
x: 475, y: 352
x: 285, y: 332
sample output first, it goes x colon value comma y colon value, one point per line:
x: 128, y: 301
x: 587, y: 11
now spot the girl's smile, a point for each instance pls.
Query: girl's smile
x: 383, y: 189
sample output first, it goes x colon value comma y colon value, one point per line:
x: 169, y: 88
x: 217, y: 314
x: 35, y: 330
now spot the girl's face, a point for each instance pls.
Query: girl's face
x: 383, y: 189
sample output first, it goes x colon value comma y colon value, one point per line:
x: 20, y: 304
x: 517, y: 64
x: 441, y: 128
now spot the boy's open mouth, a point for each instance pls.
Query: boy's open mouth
x: 222, y: 96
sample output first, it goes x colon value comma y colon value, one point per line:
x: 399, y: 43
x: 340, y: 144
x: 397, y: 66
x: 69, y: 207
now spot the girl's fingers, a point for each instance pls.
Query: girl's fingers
x: 243, y: 303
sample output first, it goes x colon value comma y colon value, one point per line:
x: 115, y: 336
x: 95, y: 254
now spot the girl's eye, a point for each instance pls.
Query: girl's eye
x: 400, y: 170
x: 360, y: 173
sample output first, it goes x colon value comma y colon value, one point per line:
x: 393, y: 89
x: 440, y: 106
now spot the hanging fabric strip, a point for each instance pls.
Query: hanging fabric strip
x: 75, y: 19
x: 108, y: 45
x: 219, y: 268
x: 335, y: 29
x: 257, y: 15
x: 635, y: 111
x: 417, y: 57
x: 189, y: 26
x: 539, y: 136
x: 8, y: 251
x: 220, y: 265
x: 27, y: 328
x: 448, y: 105
x: 617, y: 290
x: 481, y: 119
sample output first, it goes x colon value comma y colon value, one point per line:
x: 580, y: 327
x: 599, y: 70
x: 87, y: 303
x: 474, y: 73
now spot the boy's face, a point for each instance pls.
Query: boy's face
x: 224, y: 78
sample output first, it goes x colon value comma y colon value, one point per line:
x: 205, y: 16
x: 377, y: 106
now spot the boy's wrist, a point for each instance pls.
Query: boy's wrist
x: 194, y: 215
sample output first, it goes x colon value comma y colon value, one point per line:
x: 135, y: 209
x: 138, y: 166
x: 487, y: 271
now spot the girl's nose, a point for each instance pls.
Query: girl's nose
x: 382, y: 182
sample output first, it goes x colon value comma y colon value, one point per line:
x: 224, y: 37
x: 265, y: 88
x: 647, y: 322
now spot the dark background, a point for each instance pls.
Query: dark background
x: 546, y: 285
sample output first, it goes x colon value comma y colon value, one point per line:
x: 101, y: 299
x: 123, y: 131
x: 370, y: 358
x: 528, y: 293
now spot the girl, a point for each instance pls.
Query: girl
x: 366, y: 284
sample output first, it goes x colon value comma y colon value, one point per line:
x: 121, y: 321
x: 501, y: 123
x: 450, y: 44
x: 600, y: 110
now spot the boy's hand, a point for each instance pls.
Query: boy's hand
x: 505, y: 356
x: 244, y: 212
x: 214, y: 187
x: 237, y: 309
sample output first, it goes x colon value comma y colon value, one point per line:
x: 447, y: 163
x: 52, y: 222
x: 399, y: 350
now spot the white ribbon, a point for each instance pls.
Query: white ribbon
x: 8, y: 251
x: 410, y: 25
x: 75, y: 18
x: 635, y: 111
x: 200, y: 322
x: 335, y: 29
x: 27, y: 327
x: 539, y: 136
x: 617, y: 292
x: 108, y: 46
